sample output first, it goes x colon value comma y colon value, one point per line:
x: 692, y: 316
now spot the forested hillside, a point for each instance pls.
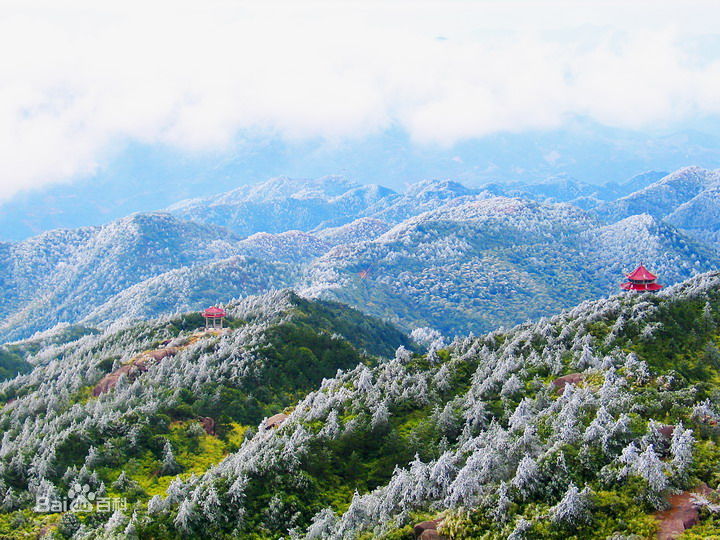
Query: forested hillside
x: 125, y: 411
x: 439, y: 254
x: 576, y: 426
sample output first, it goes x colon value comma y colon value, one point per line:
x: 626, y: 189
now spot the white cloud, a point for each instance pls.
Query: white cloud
x: 77, y: 83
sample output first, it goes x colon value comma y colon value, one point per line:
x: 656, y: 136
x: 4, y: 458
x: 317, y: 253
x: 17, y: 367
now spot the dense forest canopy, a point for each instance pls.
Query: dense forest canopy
x: 480, y: 431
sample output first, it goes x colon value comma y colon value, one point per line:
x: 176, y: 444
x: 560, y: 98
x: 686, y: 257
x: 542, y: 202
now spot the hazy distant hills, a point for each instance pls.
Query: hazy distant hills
x: 438, y: 254
x: 282, y: 204
x: 486, y: 263
x: 688, y: 198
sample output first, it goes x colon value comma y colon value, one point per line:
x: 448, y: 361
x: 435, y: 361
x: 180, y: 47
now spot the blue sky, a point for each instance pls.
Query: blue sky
x: 90, y: 90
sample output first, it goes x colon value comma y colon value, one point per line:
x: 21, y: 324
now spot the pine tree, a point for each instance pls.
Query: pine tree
x: 323, y: 525
x: 130, y: 532
x: 116, y: 522
x: 520, y: 530
x: 501, y: 512
x: 93, y: 458
x: 681, y: 448
x: 155, y: 505
x: 169, y: 464
x: 10, y: 501
x: 526, y: 476
x: 211, y: 502
x: 511, y: 387
x: 574, y: 508
x: 185, y: 516
x: 365, y: 383
x: 331, y: 429
x: 237, y: 489
x: 649, y: 467
x: 442, y: 379
x: 122, y: 483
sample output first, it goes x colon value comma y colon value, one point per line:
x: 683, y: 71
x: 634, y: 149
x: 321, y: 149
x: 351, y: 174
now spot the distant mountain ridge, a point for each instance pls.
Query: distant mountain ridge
x: 688, y: 198
x: 438, y: 254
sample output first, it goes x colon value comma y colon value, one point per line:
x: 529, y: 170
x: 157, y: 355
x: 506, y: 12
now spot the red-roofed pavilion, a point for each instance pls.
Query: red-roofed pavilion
x: 641, y: 279
x: 214, y: 317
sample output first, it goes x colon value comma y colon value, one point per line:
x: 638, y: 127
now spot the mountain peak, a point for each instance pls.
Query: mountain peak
x: 438, y: 189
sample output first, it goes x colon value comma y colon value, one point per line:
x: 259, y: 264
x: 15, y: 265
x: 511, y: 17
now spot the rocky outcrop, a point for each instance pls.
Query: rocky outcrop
x: 275, y: 421
x: 159, y: 354
x: 142, y: 362
x: 432, y: 534
x: 561, y: 382
x: 208, y: 424
x: 681, y: 515
x: 427, y: 530
x: 133, y: 369
x: 108, y: 382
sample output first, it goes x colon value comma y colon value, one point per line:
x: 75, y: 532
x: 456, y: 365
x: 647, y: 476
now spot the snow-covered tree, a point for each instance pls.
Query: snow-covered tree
x: 185, y: 516
x: 649, y: 466
x: 169, y: 464
x: 574, y: 508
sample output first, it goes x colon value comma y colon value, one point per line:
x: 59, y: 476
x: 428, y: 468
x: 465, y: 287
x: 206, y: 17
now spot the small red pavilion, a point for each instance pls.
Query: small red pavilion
x: 214, y: 317
x: 641, y: 279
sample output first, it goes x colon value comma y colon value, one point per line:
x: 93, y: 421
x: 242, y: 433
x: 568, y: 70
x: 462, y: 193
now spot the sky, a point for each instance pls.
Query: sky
x: 84, y: 85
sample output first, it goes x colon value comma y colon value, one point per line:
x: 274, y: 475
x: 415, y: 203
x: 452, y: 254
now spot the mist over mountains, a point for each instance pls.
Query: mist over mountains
x: 148, y: 177
x: 438, y: 254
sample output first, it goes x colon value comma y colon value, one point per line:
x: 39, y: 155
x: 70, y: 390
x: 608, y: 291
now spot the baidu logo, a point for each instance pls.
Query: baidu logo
x: 80, y: 498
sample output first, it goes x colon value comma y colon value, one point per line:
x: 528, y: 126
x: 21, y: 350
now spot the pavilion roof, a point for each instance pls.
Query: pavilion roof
x: 641, y: 274
x: 214, y: 312
x: 630, y: 286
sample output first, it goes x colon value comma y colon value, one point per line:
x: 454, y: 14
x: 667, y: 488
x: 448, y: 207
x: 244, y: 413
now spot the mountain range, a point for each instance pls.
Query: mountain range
x: 439, y: 254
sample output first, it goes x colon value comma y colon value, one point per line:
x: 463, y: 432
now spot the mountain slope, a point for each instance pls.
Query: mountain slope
x: 662, y: 197
x: 199, y: 392
x: 282, y: 204
x: 443, y: 255
x: 54, y: 281
x: 578, y: 425
x: 481, y: 264
x: 482, y: 435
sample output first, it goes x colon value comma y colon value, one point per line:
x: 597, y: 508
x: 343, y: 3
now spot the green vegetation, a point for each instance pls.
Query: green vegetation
x: 476, y: 432
x: 12, y: 364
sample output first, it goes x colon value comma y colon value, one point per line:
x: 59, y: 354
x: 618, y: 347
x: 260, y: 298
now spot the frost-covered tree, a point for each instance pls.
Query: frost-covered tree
x: 573, y: 508
x: 169, y: 464
x: 323, y: 525
x: 124, y: 483
x: 185, y: 516
x: 501, y: 511
x: 527, y: 476
x: 93, y: 458
x: 649, y: 466
x: 117, y: 522
x: 681, y: 449
x: 427, y: 337
x: 130, y: 532
x: 380, y: 416
x: 155, y: 505
x: 511, y: 386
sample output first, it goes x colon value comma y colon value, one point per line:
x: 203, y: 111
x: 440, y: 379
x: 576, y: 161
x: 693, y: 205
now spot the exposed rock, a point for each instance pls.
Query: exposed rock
x: 275, y: 420
x: 208, y: 424
x: 108, y: 382
x: 430, y: 525
x: 572, y: 378
x: 159, y: 354
x: 667, y: 431
x: 142, y: 362
x: 432, y: 534
x: 178, y: 342
x: 682, y: 514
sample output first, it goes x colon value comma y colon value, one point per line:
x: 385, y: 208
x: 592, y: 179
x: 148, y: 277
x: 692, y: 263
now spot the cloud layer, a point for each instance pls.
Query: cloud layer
x: 78, y: 84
